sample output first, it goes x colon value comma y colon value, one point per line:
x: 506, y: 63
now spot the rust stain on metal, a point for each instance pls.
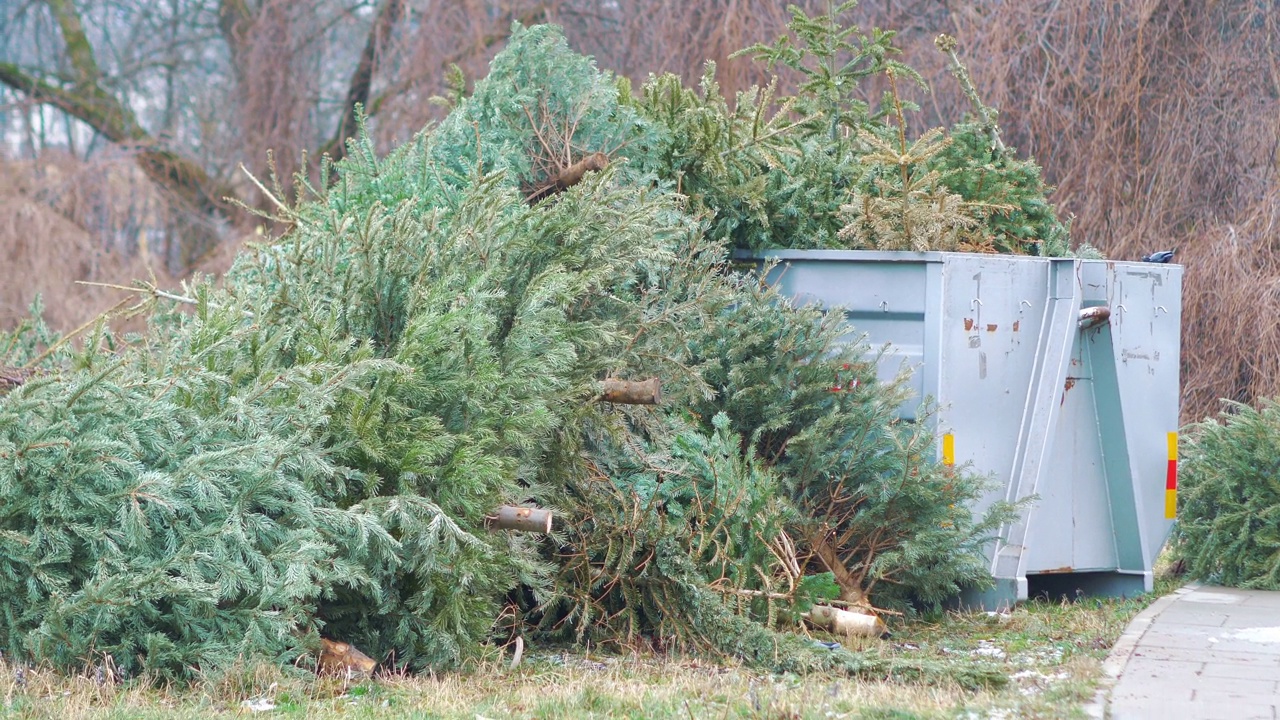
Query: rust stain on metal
x: 968, y: 324
x: 1071, y: 382
x: 1056, y: 571
x: 991, y: 327
x: 1016, y: 323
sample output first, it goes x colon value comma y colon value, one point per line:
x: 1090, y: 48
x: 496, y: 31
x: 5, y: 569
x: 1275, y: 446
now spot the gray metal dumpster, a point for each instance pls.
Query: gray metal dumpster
x: 1057, y: 376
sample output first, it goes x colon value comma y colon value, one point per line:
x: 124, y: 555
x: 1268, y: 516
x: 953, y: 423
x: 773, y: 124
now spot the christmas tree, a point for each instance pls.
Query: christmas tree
x: 318, y: 445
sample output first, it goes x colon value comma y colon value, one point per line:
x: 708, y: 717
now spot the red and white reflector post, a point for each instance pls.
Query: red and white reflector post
x: 1171, y: 480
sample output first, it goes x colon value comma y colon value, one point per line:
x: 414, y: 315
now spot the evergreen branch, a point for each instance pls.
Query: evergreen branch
x: 289, y: 215
x: 773, y: 133
x: 155, y: 292
x: 100, y: 317
x: 947, y: 45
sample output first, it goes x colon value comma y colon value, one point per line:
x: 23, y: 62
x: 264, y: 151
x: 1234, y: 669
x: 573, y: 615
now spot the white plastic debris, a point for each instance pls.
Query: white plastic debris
x: 262, y: 703
x: 258, y: 705
x: 986, y: 648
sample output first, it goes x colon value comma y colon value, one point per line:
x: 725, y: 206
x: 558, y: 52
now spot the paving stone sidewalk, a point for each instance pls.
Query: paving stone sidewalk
x: 1202, y: 652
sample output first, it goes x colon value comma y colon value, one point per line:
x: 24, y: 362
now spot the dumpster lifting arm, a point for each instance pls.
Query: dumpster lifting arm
x: 1040, y: 415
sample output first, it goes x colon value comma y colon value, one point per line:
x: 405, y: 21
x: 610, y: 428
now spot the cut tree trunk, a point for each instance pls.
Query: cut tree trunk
x: 524, y: 519
x: 850, y: 624
x: 339, y: 658
x: 633, y: 392
x: 569, y: 177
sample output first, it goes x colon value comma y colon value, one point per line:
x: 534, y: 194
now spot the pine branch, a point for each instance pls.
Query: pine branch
x: 100, y: 317
x: 147, y: 288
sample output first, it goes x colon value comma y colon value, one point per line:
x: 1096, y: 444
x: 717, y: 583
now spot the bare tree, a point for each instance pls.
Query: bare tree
x: 260, y: 63
x: 192, y: 89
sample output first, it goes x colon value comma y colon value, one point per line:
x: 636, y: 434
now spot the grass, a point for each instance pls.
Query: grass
x: 1051, y: 651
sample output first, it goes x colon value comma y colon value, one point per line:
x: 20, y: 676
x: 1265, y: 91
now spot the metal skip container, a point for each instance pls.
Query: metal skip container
x: 1056, y: 376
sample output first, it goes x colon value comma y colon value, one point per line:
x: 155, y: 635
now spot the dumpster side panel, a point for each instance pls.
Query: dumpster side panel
x: 885, y: 302
x: 1147, y: 334
x: 1072, y: 520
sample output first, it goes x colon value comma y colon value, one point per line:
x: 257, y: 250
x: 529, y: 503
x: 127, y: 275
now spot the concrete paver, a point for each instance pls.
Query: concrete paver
x: 1199, y: 654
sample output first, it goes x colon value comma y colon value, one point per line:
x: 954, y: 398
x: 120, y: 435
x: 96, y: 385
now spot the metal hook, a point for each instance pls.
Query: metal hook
x: 884, y: 305
x: 1161, y: 307
x: 975, y: 304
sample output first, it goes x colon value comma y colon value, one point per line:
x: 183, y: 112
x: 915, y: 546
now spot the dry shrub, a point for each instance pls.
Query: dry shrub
x: 64, y: 220
x: 654, y: 36
x: 278, y: 71
x: 1231, y: 299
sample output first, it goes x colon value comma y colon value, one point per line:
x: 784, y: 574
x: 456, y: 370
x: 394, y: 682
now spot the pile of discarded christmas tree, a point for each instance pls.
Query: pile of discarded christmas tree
x: 319, y: 445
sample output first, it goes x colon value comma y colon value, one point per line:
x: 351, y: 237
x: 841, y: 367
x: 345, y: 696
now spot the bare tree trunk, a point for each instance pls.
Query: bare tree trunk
x: 187, y: 182
x: 362, y: 80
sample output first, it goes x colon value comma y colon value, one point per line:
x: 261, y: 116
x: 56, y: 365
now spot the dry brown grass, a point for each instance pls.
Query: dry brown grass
x: 550, y: 687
